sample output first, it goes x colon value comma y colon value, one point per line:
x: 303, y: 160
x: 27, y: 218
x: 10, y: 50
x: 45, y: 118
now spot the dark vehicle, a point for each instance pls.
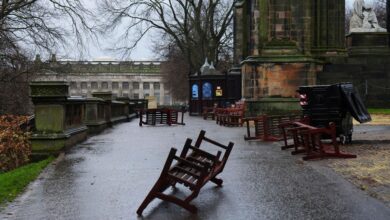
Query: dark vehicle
x: 336, y: 103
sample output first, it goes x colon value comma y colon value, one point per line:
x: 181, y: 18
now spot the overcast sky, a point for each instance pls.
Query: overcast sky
x: 142, y: 52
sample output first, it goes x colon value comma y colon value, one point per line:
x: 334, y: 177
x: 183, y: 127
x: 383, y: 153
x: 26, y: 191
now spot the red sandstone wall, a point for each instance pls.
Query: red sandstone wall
x: 276, y: 80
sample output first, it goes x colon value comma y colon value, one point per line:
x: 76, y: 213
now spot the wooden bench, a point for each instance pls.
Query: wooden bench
x: 311, y: 141
x: 160, y: 116
x: 290, y: 131
x: 232, y: 116
x: 209, y: 112
x: 193, y: 168
x: 267, y: 128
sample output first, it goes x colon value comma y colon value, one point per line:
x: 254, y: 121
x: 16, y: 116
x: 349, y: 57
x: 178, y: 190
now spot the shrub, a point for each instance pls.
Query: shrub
x: 15, y: 147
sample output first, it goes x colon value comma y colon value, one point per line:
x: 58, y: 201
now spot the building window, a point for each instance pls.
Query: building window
x: 104, y: 85
x: 73, y: 85
x: 157, y: 95
x: 125, y: 85
x: 136, y: 96
x: 84, y: 85
x: 207, y: 90
x: 94, y: 85
x: 156, y: 86
x: 115, y: 85
x: 126, y: 95
x: 195, y: 91
x: 146, y: 94
x: 167, y: 100
x: 135, y: 85
x: 146, y: 85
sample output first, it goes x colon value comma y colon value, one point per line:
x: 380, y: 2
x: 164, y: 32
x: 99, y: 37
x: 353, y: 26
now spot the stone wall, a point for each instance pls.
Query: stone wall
x: 371, y: 79
x: 62, y: 121
x: 276, y: 79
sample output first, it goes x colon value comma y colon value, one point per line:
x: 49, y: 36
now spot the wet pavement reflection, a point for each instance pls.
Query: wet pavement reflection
x: 109, y: 175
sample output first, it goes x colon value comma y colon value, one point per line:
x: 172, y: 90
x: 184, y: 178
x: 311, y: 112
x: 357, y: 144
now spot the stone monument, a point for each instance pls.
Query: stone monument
x: 283, y: 44
x: 366, y: 36
x: 364, y: 18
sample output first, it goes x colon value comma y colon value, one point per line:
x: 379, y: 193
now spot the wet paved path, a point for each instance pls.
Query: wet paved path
x: 108, y: 176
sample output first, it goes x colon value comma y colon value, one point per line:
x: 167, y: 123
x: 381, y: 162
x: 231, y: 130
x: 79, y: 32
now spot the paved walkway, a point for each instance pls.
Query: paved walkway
x: 108, y: 176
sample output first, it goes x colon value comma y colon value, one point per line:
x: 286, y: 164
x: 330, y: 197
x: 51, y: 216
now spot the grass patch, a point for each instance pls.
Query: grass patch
x: 382, y: 111
x: 13, y: 182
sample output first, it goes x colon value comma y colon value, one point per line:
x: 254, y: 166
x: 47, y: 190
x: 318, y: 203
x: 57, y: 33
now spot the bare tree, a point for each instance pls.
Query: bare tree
x: 27, y: 26
x: 174, y: 71
x: 380, y: 11
x: 198, y: 28
x: 41, y: 24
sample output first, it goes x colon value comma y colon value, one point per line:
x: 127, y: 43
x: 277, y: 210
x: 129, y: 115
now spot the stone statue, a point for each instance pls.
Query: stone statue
x: 364, y: 18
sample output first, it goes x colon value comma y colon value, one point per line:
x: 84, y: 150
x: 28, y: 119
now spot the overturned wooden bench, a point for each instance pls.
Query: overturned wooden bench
x: 160, y: 116
x: 290, y: 131
x: 193, y: 168
x: 268, y: 127
x: 231, y: 116
x: 316, y: 143
x: 209, y: 112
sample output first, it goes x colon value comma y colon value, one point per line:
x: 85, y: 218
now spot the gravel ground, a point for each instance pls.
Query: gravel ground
x: 370, y: 171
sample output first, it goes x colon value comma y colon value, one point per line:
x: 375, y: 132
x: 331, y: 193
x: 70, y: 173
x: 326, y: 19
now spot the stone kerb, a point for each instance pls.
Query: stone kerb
x: 59, y: 119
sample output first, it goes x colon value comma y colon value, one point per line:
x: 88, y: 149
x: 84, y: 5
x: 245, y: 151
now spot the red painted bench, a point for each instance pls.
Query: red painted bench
x: 267, y: 128
x: 290, y: 131
x: 209, y: 112
x: 160, y: 116
x: 232, y: 116
x: 193, y: 168
x: 310, y: 140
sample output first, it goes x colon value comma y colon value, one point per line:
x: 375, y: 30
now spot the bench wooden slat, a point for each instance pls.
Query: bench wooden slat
x: 193, y: 170
x: 188, y: 171
x: 190, y: 164
x: 181, y: 180
x: 200, y: 162
x: 203, y: 153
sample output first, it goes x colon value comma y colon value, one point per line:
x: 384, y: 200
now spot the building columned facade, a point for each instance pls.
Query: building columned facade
x: 132, y: 79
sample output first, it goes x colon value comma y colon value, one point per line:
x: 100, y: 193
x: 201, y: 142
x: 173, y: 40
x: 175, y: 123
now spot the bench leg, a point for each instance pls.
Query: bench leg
x: 145, y: 203
x: 177, y: 201
x: 157, y: 188
x: 161, y: 185
x: 217, y: 181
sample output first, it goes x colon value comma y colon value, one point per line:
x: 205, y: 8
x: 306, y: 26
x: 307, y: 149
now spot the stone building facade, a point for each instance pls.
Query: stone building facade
x: 283, y: 44
x: 132, y: 79
x: 280, y: 43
